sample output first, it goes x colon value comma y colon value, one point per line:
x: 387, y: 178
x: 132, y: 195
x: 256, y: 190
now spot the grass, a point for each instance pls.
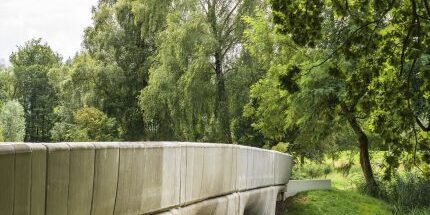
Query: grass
x: 336, y: 202
x: 355, y: 175
x: 346, y: 199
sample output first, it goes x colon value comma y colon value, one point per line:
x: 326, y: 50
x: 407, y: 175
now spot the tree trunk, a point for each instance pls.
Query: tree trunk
x: 363, y: 142
x: 222, y: 111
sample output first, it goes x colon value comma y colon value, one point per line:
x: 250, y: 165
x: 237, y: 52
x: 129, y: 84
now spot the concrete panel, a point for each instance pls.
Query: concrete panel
x: 194, y: 168
x: 244, y: 161
x: 170, y: 212
x: 219, y: 176
x: 57, y: 180
x: 210, y: 171
x: 105, y: 178
x: 226, y: 205
x: 7, y: 182
x: 258, y: 202
x: 296, y: 186
x: 81, y: 178
x: 283, y: 167
x: 130, y: 179
x: 161, y: 181
x: 183, y: 174
x: 233, y: 203
x: 38, y: 179
x: 262, y: 168
x: 22, y: 179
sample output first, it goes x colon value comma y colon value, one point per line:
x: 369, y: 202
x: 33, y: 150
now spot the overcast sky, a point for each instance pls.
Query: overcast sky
x: 59, y: 22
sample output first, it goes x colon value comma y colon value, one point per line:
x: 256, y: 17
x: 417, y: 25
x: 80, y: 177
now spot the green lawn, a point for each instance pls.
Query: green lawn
x: 334, y: 202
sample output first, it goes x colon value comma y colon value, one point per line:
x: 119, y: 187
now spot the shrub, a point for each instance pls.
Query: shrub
x: 326, y: 170
x: 12, y: 121
x: 409, y: 194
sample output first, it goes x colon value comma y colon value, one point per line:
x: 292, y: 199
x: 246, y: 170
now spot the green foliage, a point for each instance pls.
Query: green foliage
x: 302, y: 19
x: 119, y: 46
x: 409, y: 194
x: 12, y: 122
x: 95, y: 125
x: 336, y: 202
x: 31, y: 64
x: 281, y: 147
x: 194, y: 90
x: 7, y: 81
x: 343, y: 67
x: 311, y: 171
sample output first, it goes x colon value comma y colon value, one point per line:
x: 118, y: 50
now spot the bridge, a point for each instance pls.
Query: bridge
x: 136, y: 178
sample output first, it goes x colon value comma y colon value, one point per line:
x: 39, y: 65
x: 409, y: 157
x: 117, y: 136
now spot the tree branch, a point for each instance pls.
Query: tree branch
x: 421, y: 124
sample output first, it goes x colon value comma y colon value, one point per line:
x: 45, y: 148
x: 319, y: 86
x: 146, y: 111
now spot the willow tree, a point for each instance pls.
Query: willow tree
x: 198, y: 48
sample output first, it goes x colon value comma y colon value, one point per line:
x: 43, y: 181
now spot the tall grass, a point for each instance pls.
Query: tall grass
x: 408, y: 194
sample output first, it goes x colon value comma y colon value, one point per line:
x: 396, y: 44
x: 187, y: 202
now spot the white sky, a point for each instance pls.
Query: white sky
x: 59, y: 22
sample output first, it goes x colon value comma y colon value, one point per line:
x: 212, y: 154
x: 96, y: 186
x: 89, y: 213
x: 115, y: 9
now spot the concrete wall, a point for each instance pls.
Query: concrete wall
x: 296, y: 186
x: 140, y: 178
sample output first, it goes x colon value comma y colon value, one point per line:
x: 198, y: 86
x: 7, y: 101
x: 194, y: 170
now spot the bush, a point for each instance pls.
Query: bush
x: 12, y: 121
x: 409, y: 194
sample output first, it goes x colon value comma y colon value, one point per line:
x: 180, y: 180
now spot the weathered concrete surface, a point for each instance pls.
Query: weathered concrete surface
x: 57, y: 178
x: 81, y: 170
x: 38, y: 179
x: 161, y: 187
x: 210, y: 171
x: 149, y: 177
x: 282, y: 168
x: 259, y: 201
x: 130, y: 177
x: 7, y: 179
x: 105, y: 178
x: 255, y: 168
x: 296, y: 186
x: 225, y: 205
x: 22, y: 179
x: 139, y: 178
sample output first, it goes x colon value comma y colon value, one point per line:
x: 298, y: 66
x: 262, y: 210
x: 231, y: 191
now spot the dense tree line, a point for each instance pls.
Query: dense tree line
x: 304, y: 76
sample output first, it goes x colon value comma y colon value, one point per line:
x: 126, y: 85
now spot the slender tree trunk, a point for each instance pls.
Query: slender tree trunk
x: 222, y: 111
x: 363, y: 142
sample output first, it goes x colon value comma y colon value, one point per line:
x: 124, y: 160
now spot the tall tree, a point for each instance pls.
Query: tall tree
x: 116, y: 39
x: 198, y: 49
x: 31, y: 64
x: 333, y: 61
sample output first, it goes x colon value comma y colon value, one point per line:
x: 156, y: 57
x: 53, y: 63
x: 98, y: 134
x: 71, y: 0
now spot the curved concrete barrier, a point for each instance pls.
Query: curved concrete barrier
x: 140, y: 178
x: 296, y: 186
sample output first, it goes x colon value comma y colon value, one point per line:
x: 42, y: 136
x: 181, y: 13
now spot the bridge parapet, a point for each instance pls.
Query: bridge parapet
x: 134, y: 177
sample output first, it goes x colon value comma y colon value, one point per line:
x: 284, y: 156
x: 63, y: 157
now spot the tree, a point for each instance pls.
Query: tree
x: 12, y: 122
x: 199, y: 47
x: 31, y: 64
x: 95, y: 125
x: 329, y: 56
x: 122, y: 39
x: 7, y: 85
